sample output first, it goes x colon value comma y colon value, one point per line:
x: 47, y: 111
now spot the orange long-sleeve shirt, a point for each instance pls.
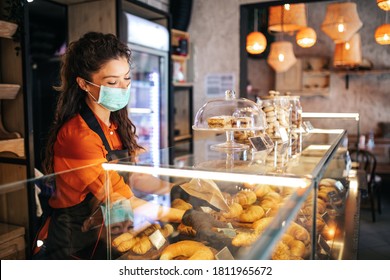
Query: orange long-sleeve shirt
x: 79, y: 153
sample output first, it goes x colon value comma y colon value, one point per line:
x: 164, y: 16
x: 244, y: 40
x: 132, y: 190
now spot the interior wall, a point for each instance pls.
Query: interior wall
x: 214, y: 31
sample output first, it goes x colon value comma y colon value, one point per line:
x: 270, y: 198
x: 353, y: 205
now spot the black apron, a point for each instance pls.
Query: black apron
x: 65, y: 238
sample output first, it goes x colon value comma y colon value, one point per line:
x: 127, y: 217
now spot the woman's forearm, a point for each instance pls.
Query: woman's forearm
x: 156, y: 212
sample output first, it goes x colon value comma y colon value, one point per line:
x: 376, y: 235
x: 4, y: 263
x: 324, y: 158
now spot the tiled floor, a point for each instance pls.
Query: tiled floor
x: 374, y: 239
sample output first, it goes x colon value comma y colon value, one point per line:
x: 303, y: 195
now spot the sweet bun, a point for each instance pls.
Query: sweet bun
x: 187, y: 249
x: 186, y: 230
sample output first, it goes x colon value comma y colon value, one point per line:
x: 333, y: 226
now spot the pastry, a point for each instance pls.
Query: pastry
x: 220, y: 122
x: 187, y: 249
x: 245, y: 197
x: 244, y: 239
x: 235, y: 210
x: 241, y: 122
x: 186, y: 230
x: 251, y: 214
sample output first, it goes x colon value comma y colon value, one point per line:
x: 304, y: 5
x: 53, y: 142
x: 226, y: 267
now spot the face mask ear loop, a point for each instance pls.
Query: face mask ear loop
x: 91, y: 96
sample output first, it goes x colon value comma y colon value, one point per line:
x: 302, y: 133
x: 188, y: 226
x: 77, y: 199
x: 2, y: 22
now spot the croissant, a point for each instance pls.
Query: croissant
x: 234, y: 211
x: 142, y: 246
x: 186, y: 230
x: 251, y: 214
x: 299, y: 232
x: 245, y: 197
x: 262, y: 190
x: 244, y: 239
x: 127, y: 244
x: 121, y: 238
x: 191, y: 250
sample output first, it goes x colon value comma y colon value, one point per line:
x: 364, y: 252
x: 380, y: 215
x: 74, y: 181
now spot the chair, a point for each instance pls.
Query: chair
x: 367, y: 162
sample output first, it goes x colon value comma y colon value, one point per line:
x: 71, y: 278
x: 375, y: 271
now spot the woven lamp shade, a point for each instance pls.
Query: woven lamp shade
x: 341, y: 21
x: 306, y: 37
x: 294, y: 18
x: 348, y: 54
x: 384, y: 4
x: 256, y: 43
x: 281, y: 56
x: 382, y: 34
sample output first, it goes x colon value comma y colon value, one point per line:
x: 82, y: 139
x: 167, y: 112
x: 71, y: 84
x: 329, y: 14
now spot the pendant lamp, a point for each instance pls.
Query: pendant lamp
x: 255, y: 41
x: 291, y: 16
x: 306, y: 37
x: 341, y: 21
x: 383, y: 4
x: 348, y: 54
x: 382, y: 34
x: 281, y: 56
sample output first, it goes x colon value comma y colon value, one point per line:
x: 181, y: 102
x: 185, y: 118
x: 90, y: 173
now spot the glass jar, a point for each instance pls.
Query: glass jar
x: 277, y: 111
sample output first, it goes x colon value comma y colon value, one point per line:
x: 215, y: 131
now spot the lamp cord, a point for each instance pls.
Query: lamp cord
x: 255, y: 23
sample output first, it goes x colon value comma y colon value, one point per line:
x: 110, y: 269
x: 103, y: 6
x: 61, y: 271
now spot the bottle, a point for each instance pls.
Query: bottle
x: 370, y: 141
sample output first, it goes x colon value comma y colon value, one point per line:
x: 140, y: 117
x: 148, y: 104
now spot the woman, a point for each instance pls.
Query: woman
x: 94, y: 92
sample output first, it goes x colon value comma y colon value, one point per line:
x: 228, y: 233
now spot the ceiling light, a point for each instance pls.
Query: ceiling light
x: 348, y: 54
x: 384, y: 4
x: 281, y: 56
x: 306, y: 37
x: 382, y: 34
x: 341, y: 21
x: 287, y: 18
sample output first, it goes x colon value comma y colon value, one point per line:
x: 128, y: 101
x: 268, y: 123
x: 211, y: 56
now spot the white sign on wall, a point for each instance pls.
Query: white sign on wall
x: 217, y: 84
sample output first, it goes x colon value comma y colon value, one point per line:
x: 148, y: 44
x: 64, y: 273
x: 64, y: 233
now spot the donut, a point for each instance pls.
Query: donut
x: 190, y: 250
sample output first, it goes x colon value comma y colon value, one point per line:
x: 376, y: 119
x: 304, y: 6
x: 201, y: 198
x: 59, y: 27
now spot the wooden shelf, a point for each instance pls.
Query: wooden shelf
x: 348, y: 73
x: 184, y: 84
x: 183, y: 137
x: 15, y: 146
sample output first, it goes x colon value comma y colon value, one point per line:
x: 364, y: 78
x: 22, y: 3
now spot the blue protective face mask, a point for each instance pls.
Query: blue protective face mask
x: 112, y: 99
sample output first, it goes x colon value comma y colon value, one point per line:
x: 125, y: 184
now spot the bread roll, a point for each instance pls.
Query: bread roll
x: 142, y: 246
x: 191, y: 250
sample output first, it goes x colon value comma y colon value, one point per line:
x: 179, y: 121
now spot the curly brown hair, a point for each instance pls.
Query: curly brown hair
x: 83, y: 58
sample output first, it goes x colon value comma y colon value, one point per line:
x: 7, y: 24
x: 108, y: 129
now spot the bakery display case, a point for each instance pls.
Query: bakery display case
x: 242, y: 205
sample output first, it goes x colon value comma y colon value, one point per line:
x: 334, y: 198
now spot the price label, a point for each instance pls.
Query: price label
x: 339, y: 186
x: 308, y: 126
x: 324, y: 245
x: 283, y: 134
x: 224, y: 254
x: 157, y: 239
x: 261, y: 143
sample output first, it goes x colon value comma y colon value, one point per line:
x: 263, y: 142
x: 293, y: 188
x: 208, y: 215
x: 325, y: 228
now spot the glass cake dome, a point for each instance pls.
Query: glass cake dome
x: 230, y: 114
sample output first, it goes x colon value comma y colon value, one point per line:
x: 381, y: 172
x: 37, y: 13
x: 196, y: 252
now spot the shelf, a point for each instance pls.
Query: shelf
x: 7, y: 29
x: 15, y: 146
x: 348, y: 73
x: 180, y: 58
x: 9, y: 91
x: 183, y: 137
x: 183, y: 84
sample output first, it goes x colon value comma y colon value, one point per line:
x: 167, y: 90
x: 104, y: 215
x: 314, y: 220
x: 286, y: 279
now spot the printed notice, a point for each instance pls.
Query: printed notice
x: 217, y: 84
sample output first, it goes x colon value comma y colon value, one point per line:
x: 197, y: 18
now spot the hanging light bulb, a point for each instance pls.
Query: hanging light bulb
x: 341, y: 21
x: 382, y: 34
x: 383, y: 4
x: 255, y: 41
x: 281, y: 56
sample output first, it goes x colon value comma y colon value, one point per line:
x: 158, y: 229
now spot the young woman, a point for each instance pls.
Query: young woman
x: 94, y: 92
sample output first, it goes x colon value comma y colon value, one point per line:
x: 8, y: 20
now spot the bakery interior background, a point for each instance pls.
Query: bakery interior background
x: 215, y: 50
